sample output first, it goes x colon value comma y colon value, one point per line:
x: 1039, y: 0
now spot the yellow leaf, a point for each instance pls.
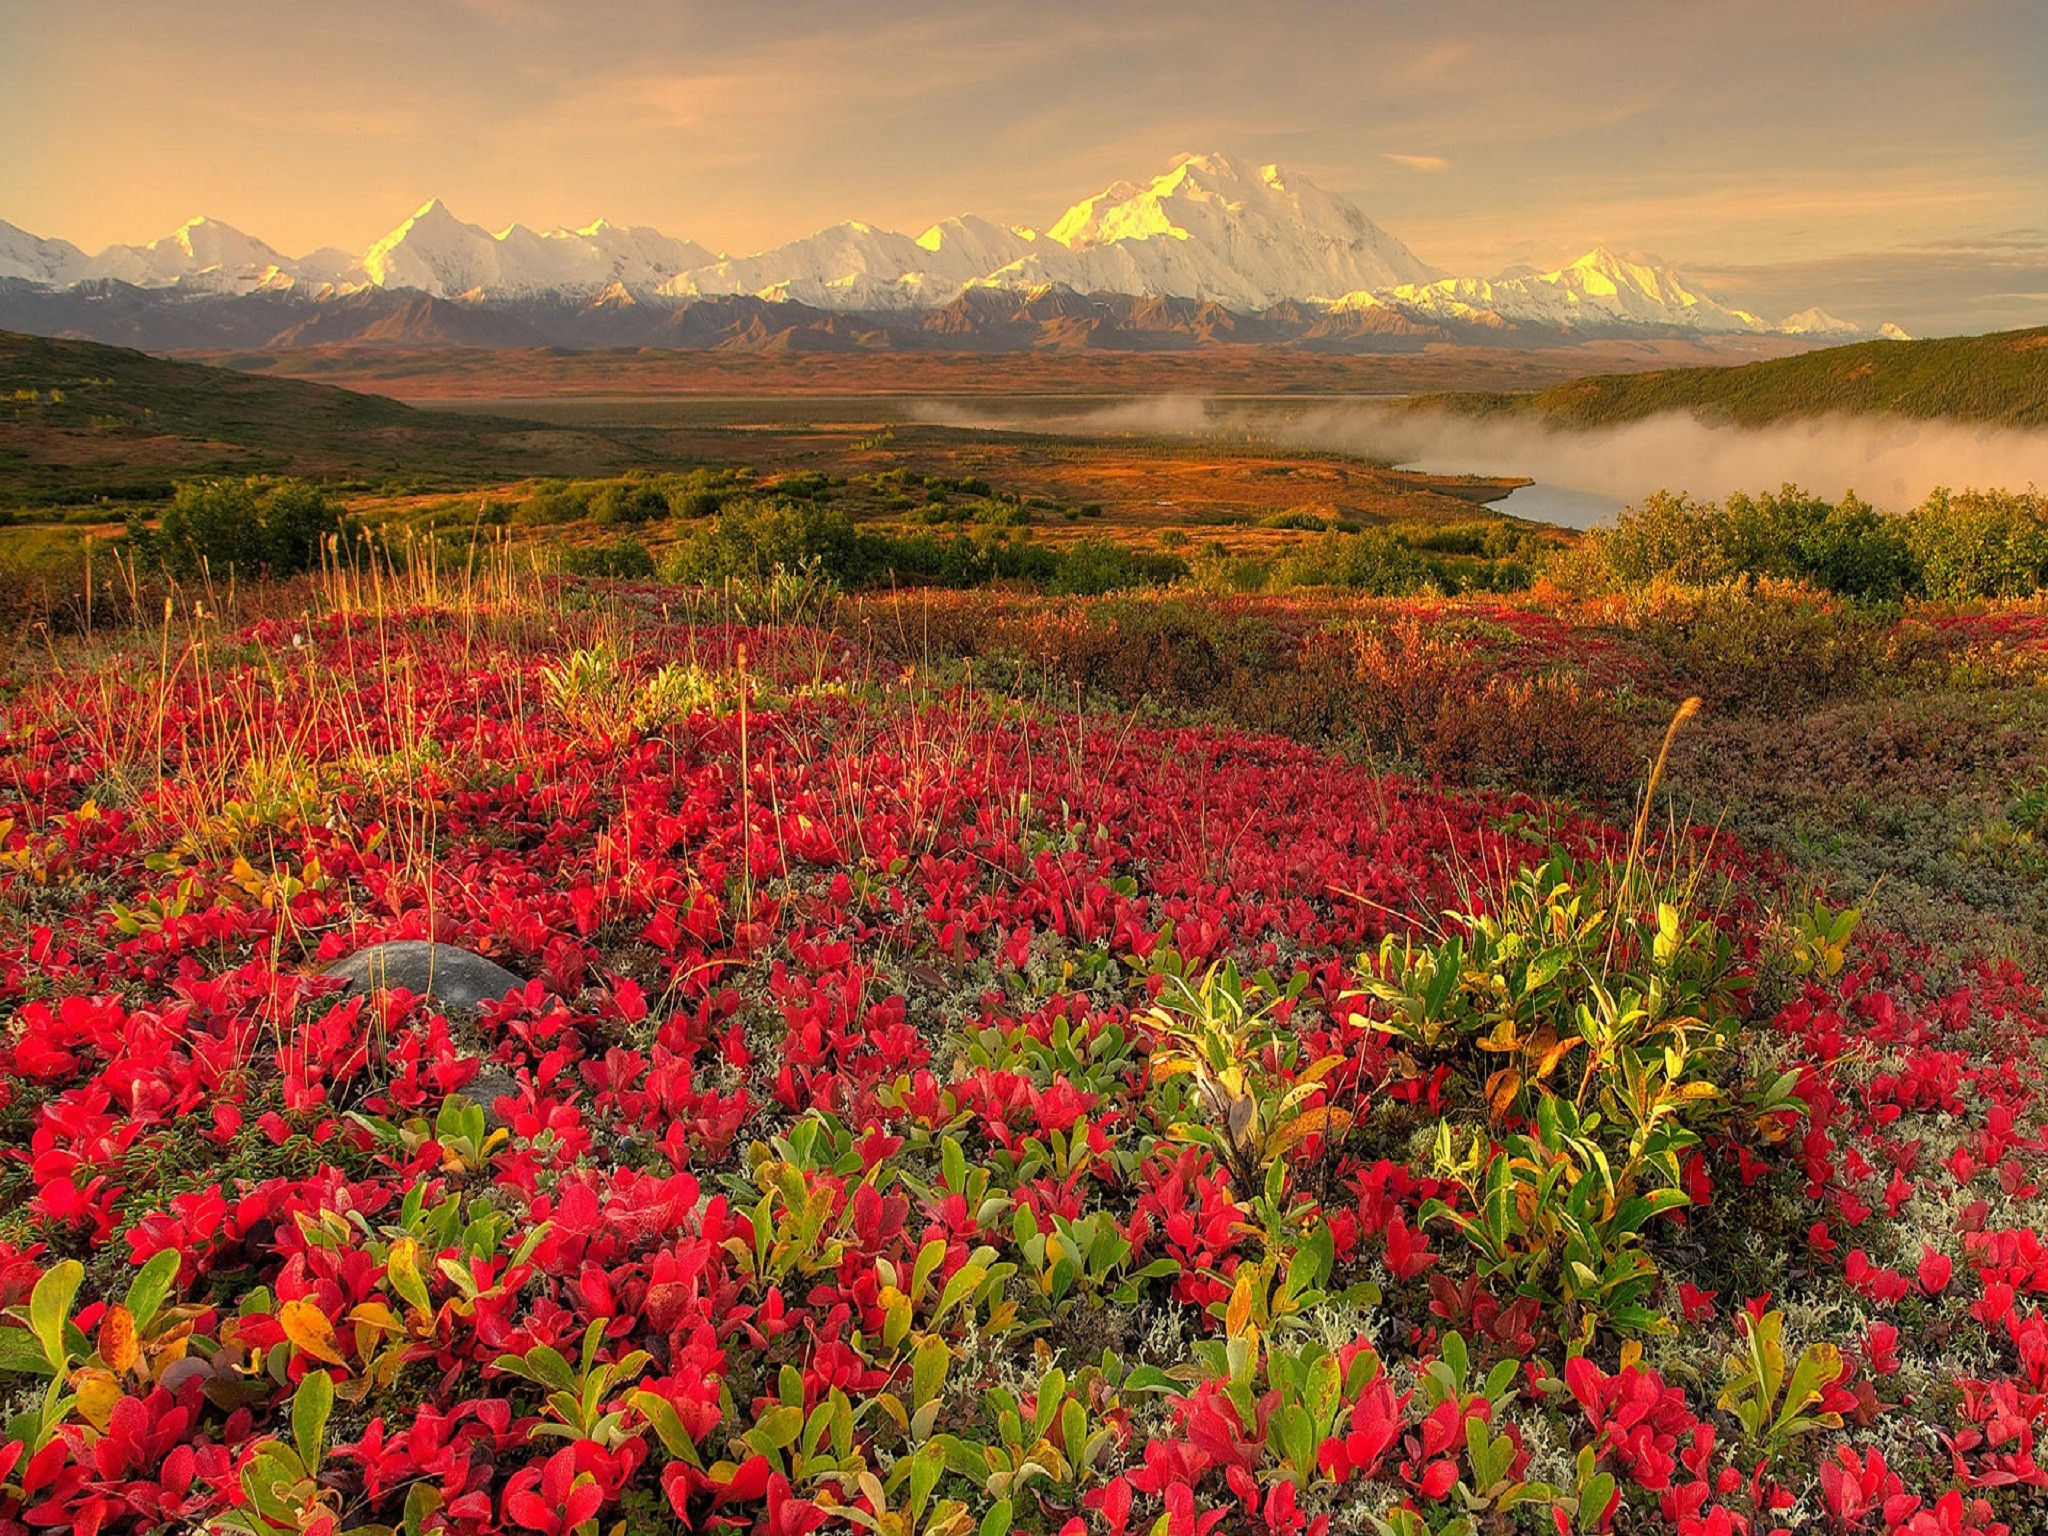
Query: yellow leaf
x: 1323, y: 1121
x: 1554, y: 1055
x: 376, y: 1315
x: 308, y: 1328
x: 1239, y: 1314
x: 98, y: 1393
x: 118, y: 1345
x: 1501, y: 1089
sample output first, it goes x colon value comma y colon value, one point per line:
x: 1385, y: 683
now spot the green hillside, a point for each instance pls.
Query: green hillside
x: 81, y: 422
x: 2001, y: 379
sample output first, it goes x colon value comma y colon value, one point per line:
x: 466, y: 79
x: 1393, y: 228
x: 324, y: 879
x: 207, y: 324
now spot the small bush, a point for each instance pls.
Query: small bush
x: 1091, y: 567
x: 551, y: 506
x: 1980, y: 544
x: 629, y: 502
x: 1303, y: 518
x: 242, y: 527
x: 624, y: 560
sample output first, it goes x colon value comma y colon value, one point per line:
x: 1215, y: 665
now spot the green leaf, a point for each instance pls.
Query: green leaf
x: 1594, y: 1494
x: 661, y: 1414
x: 151, y: 1285
x: 311, y: 1405
x: 777, y: 1429
x: 929, y: 1258
x: 997, y: 1521
x: 1324, y: 1393
x: 21, y: 1353
x: 49, y: 1308
x: 928, y: 1370
x: 543, y: 1364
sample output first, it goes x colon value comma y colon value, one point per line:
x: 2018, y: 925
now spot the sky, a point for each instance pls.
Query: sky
x: 1887, y: 159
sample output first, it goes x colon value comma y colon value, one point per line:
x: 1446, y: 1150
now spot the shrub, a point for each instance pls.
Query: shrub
x: 1306, y: 519
x: 1764, y: 645
x: 1980, y: 544
x: 1091, y: 567
x: 628, y: 501
x: 1669, y: 536
x: 1381, y: 564
x: 550, y: 506
x: 805, y: 485
x: 1956, y: 547
x: 623, y: 559
x: 242, y: 527
x: 752, y: 536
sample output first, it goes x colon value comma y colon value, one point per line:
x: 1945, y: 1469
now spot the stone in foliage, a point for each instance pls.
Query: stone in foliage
x: 454, y: 978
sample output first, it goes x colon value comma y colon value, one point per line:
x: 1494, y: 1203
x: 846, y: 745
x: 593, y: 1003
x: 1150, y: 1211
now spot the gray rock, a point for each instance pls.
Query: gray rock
x: 491, y: 1083
x: 453, y: 977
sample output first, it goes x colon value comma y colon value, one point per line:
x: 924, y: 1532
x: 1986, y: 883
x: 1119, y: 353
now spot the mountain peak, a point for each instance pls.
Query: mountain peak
x: 1211, y: 227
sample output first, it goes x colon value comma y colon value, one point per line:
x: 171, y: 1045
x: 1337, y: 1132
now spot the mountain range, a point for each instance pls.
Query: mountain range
x: 1210, y: 251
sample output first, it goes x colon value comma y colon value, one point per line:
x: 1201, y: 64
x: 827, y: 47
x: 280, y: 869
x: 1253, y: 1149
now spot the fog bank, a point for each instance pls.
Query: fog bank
x: 1891, y: 462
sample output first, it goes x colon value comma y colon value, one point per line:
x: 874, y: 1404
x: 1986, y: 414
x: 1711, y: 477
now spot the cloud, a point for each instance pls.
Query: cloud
x: 1955, y: 287
x: 742, y: 126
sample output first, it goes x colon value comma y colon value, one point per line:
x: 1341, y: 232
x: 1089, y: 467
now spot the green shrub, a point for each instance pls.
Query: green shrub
x: 628, y: 502
x: 551, y: 506
x: 1669, y: 536
x: 1378, y: 563
x: 1956, y: 547
x: 1090, y: 567
x: 1980, y: 544
x: 805, y: 485
x: 1301, y: 518
x: 1767, y: 645
x: 623, y: 559
x: 241, y: 527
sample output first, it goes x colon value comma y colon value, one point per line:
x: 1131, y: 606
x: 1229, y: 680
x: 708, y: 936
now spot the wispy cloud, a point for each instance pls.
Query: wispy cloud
x: 1479, y: 137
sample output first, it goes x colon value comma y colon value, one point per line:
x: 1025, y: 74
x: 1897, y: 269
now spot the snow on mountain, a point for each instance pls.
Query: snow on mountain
x: 1204, y: 230
x: 1599, y: 291
x: 35, y: 260
x: 1816, y: 322
x: 1208, y: 230
x: 439, y: 254
x: 202, y: 254
x: 848, y: 266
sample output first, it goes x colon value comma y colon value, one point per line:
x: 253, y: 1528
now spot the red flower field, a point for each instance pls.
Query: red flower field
x: 935, y: 1113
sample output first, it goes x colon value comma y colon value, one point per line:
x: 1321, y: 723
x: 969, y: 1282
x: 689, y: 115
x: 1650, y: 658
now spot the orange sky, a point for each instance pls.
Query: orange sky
x: 1743, y: 136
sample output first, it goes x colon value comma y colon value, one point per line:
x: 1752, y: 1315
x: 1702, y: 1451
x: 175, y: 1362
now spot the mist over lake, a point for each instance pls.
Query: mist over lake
x: 1581, y: 477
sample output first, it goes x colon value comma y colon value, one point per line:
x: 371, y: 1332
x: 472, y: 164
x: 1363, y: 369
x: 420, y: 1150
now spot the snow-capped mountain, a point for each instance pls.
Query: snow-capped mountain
x: 53, y: 263
x: 856, y: 266
x: 201, y: 253
x: 1601, y: 291
x: 1817, y: 322
x: 438, y: 254
x: 1208, y: 231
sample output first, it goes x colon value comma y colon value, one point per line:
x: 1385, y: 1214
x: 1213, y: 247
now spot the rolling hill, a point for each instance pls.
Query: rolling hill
x: 2000, y: 379
x: 81, y: 421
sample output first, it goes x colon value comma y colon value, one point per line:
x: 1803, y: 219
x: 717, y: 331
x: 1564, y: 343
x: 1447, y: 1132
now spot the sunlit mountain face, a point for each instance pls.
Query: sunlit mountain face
x: 1250, y: 240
